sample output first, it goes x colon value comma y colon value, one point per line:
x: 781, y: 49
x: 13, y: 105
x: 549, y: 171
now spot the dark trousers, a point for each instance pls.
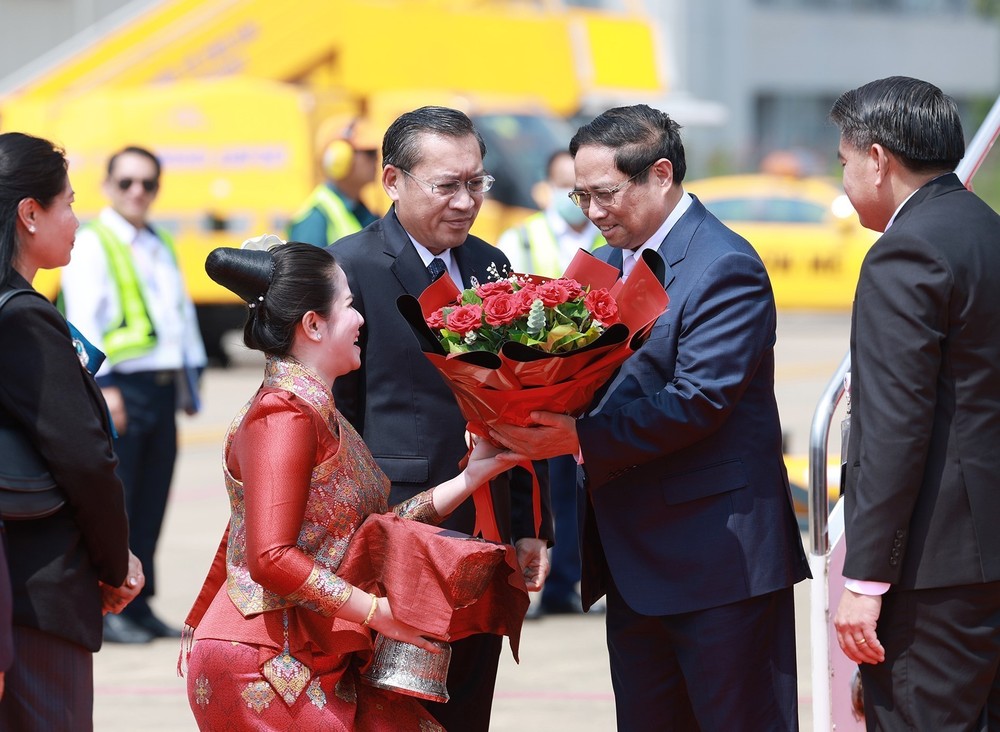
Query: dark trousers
x: 50, y: 686
x: 472, y: 677
x: 147, y: 451
x: 942, y: 655
x: 560, y: 587
x: 726, y: 668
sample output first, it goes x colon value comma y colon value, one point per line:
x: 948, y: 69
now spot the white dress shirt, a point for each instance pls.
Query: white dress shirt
x: 449, y: 261
x: 91, y: 297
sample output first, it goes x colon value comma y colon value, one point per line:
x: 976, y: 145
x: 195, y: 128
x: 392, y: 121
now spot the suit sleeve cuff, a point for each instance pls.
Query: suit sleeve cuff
x: 867, y: 587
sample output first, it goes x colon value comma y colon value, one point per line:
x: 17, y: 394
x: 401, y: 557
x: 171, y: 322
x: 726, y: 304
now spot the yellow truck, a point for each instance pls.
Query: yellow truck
x: 232, y: 93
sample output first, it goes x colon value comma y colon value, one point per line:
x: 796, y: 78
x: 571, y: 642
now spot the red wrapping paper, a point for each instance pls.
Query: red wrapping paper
x: 442, y: 582
x: 507, y: 387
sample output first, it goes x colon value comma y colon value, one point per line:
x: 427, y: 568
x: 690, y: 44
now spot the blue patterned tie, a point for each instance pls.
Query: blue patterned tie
x: 436, y: 268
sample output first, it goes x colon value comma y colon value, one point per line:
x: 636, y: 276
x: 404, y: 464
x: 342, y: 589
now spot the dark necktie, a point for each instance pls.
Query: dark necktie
x: 436, y: 268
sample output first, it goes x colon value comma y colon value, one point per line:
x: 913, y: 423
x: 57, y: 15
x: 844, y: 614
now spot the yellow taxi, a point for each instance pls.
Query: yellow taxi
x: 804, y: 229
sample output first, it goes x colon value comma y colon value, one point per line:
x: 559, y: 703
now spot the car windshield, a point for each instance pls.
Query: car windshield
x: 767, y: 209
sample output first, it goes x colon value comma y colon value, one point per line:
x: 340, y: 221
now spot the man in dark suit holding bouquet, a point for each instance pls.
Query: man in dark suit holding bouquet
x: 921, y: 607
x: 433, y: 172
x: 688, y: 521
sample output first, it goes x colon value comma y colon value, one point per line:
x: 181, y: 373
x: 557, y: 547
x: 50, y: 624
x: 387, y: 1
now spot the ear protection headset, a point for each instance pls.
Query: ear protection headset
x: 339, y: 154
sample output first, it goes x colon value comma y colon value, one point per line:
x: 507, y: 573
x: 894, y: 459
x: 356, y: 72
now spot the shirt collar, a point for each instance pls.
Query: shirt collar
x: 426, y: 255
x: 660, y: 234
x: 119, y: 226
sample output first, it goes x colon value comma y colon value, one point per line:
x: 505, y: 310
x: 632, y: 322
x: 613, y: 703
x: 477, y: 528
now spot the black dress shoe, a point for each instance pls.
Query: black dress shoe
x: 156, y: 627
x: 570, y: 605
x: 118, y: 629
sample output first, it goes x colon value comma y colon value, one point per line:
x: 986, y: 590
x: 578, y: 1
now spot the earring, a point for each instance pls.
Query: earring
x: 31, y: 229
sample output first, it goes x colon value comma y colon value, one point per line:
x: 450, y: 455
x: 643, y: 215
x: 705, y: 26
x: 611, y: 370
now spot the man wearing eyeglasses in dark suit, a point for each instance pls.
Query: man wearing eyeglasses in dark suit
x: 686, y: 516
x: 124, y: 291
x: 433, y: 172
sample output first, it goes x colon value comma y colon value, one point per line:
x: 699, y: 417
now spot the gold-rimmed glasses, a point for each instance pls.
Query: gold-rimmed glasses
x: 605, y: 197
x: 475, y: 186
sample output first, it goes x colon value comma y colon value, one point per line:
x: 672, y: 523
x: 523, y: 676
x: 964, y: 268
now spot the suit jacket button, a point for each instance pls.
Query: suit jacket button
x: 893, y: 561
x: 900, y: 533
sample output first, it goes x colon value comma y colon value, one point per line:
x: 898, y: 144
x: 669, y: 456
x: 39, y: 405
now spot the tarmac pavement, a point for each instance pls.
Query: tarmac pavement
x: 562, y: 681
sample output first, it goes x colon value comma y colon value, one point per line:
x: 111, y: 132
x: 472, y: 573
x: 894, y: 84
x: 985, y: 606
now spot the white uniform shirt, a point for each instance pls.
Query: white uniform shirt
x: 568, y: 239
x: 91, y: 297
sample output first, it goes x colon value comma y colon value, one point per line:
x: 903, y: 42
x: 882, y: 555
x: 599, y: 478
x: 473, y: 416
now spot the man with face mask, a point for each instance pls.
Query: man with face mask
x: 544, y: 244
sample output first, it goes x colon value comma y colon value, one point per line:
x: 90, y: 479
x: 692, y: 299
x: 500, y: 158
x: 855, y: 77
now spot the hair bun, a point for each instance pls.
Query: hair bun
x: 246, y: 272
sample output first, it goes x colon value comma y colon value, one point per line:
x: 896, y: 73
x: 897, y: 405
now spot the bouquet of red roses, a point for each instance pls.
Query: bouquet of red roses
x: 507, y: 368
x: 502, y: 365
x: 553, y: 316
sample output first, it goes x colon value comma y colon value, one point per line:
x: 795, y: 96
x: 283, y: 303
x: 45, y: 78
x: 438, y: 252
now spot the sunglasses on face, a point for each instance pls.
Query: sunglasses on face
x: 149, y: 185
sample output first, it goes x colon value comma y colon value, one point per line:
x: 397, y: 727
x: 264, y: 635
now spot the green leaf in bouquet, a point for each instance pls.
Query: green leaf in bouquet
x: 564, y: 338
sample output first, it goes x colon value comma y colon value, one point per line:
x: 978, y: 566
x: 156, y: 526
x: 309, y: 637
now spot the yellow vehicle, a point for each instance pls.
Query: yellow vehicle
x: 804, y: 229
x: 233, y: 94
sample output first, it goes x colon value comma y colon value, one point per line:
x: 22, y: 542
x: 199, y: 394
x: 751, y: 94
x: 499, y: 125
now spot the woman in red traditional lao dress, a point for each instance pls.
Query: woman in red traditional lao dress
x: 279, y: 637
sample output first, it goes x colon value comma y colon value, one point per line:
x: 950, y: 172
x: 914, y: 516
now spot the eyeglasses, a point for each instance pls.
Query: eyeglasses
x: 605, y: 197
x: 149, y: 185
x: 475, y: 186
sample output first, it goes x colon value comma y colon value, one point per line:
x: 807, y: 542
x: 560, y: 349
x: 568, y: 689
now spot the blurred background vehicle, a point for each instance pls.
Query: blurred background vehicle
x: 233, y: 95
x: 804, y: 229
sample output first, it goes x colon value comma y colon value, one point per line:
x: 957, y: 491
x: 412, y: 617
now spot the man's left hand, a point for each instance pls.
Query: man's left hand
x: 855, y: 621
x: 114, y: 599
x: 552, y: 434
x: 533, y: 557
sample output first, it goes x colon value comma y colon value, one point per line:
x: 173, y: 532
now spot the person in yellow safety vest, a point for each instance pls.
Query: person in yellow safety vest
x: 334, y: 208
x: 124, y: 292
x: 546, y: 242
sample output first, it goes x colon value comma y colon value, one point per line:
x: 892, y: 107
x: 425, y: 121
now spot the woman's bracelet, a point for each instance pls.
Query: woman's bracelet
x: 371, y: 613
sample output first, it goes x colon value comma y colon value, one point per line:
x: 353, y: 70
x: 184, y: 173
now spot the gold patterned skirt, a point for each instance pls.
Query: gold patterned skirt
x: 228, y: 692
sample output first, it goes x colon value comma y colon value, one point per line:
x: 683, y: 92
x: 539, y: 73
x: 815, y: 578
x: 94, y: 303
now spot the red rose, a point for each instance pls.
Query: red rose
x: 501, y: 309
x: 574, y: 287
x: 524, y: 297
x: 494, y: 288
x: 464, y: 319
x: 552, y: 293
x: 435, y: 321
x: 602, y: 306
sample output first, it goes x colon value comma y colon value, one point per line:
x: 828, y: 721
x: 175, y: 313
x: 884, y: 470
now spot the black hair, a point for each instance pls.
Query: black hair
x: 912, y: 119
x: 30, y: 167
x: 639, y: 135
x: 135, y: 150
x: 401, y: 145
x: 280, y: 285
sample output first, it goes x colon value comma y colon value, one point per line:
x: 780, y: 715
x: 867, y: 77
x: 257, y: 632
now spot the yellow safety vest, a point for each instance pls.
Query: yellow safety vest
x: 542, y: 248
x: 339, y: 220
x: 133, y: 334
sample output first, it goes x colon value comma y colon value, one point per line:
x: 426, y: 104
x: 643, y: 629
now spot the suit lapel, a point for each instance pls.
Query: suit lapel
x: 615, y: 258
x: 474, y: 260
x: 407, y: 266
x: 678, y: 240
